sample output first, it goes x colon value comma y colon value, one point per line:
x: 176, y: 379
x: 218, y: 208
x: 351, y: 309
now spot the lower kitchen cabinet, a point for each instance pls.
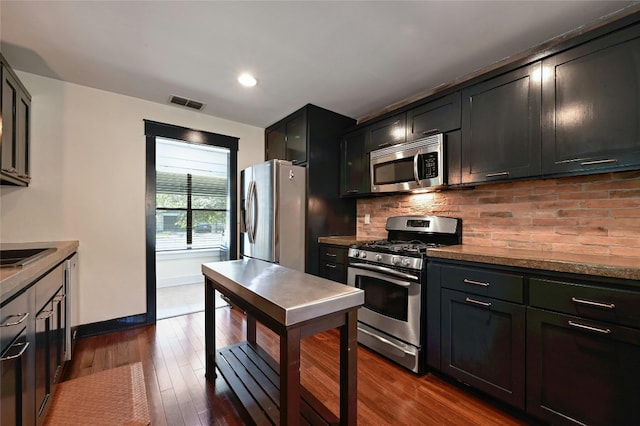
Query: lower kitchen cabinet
x: 581, y: 371
x: 17, y: 361
x: 50, y: 335
x: 333, y: 262
x: 564, y: 348
x: 483, y: 344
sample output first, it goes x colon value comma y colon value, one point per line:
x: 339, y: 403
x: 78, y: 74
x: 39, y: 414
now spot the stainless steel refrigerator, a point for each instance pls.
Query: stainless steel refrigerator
x: 273, y: 212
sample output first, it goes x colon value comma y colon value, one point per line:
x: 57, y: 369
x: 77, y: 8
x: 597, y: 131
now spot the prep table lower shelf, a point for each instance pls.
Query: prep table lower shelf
x: 255, y: 377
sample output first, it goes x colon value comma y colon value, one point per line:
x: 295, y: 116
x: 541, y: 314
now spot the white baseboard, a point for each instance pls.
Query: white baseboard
x: 182, y: 280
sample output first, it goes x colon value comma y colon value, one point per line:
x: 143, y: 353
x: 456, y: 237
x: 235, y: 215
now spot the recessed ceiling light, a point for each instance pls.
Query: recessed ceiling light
x: 247, y: 80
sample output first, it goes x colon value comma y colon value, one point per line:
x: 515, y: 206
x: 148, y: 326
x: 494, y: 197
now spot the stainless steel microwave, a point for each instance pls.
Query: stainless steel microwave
x: 409, y: 166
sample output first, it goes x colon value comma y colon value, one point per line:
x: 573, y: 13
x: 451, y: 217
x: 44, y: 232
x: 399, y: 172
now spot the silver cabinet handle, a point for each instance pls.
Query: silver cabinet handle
x: 478, y: 302
x: 328, y: 265
x: 498, y: 174
x: 589, y: 328
x: 596, y: 162
x: 45, y: 315
x: 21, y: 320
x: 331, y: 255
x: 480, y: 283
x: 24, y: 345
x: 353, y: 191
x: 595, y: 304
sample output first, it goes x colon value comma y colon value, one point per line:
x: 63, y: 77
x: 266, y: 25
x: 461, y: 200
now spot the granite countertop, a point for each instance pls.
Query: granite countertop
x: 341, y: 240
x: 603, y: 266
x: 13, y: 279
x: 286, y: 295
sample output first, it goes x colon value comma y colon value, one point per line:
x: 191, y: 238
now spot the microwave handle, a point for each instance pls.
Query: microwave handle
x: 415, y: 168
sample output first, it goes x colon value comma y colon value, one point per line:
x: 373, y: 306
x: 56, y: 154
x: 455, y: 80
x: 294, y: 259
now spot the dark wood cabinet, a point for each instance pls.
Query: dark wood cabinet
x: 501, y: 127
x: 387, y: 132
x: 49, y: 340
x: 583, y: 343
x: 483, y: 331
x: 355, y: 176
x: 17, y: 361
x: 319, y: 131
x: 562, y: 347
x: 333, y: 262
x: 581, y: 371
x: 287, y: 139
x: 591, y: 104
x: 15, y: 119
x: 438, y: 116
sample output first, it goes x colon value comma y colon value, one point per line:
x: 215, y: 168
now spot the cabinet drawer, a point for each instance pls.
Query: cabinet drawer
x: 333, y: 271
x: 48, y: 285
x: 600, y: 303
x: 484, y: 282
x: 14, y: 317
x: 333, y: 254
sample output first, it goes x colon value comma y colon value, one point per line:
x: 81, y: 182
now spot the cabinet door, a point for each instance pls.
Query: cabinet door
x: 591, y: 104
x: 483, y: 344
x: 275, y: 143
x: 581, y: 371
x: 355, y: 179
x: 439, y: 116
x: 296, y: 130
x: 15, y: 406
x: 387, y: 132
x: 501, y: 127
x: 10, y: 99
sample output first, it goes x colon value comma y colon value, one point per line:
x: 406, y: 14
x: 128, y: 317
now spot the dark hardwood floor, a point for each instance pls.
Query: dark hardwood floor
x: 172, y: 355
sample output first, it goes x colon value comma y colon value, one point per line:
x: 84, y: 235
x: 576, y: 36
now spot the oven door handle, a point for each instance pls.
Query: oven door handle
x: 385, y: 341
x: 386, y: 271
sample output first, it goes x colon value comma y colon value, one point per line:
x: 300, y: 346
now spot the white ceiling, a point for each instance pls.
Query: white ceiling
x: 352, y: 57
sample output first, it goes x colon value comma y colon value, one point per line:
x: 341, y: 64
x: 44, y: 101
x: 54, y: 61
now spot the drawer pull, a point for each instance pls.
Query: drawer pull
x: 490, y: 175
x: 596, y: 162
x: 589, y: 328
x: 328, y: 265
x: 20, y: 321
x: 24, y: 345
x: 331, y: 255
x: 45, y: 315
x: 480, y: 283
x: 478, y: 302
x: 595, y: 304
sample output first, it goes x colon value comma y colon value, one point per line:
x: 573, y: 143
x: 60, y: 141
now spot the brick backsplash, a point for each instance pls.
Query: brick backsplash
x: 595, y: 214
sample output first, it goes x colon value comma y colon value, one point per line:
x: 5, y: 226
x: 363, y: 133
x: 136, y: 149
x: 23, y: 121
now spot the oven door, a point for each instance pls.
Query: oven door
x: 391, y: 300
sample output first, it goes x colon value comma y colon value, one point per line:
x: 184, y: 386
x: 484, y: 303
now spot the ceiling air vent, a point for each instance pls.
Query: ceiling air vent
x: 189, y: 103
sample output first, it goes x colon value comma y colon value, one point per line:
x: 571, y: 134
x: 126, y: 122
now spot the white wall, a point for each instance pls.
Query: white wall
x: 88, y: 170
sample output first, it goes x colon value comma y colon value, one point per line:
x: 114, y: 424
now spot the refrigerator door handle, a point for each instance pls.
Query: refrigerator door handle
x: 254, y: 212
x: 249, y: 216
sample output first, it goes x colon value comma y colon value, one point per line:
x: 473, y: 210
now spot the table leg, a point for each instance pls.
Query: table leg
x: 251, y: 329
x: 209, y: 330
x: 290, y: 377
x: 349, y: 369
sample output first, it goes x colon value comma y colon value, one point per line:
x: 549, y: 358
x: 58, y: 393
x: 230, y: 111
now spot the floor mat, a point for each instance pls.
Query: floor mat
x: 111, y: 397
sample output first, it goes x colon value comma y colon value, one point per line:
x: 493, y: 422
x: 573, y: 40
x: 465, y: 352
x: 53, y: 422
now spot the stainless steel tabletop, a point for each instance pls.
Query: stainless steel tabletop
x: 286, y: 295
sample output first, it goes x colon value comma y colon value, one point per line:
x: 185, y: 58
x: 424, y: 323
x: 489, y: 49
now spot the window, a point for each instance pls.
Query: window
x: 192, y: 196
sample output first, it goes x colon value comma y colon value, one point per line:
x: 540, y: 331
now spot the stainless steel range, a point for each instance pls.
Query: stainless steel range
x: 393, y: 275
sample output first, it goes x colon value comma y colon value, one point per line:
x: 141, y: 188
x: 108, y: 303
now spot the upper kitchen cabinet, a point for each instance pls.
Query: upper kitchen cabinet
x: 312, y: 139
x: 354, y: 169
x: 591, y: 104
x: 387, y: 132
x: 14, y: 121
x: 439, y: 116
x: 287, y: 139
x: 501, y: 127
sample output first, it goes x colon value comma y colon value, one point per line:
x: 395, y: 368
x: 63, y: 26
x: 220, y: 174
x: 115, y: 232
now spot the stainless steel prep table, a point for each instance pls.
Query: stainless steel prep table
x: 294, y: 305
